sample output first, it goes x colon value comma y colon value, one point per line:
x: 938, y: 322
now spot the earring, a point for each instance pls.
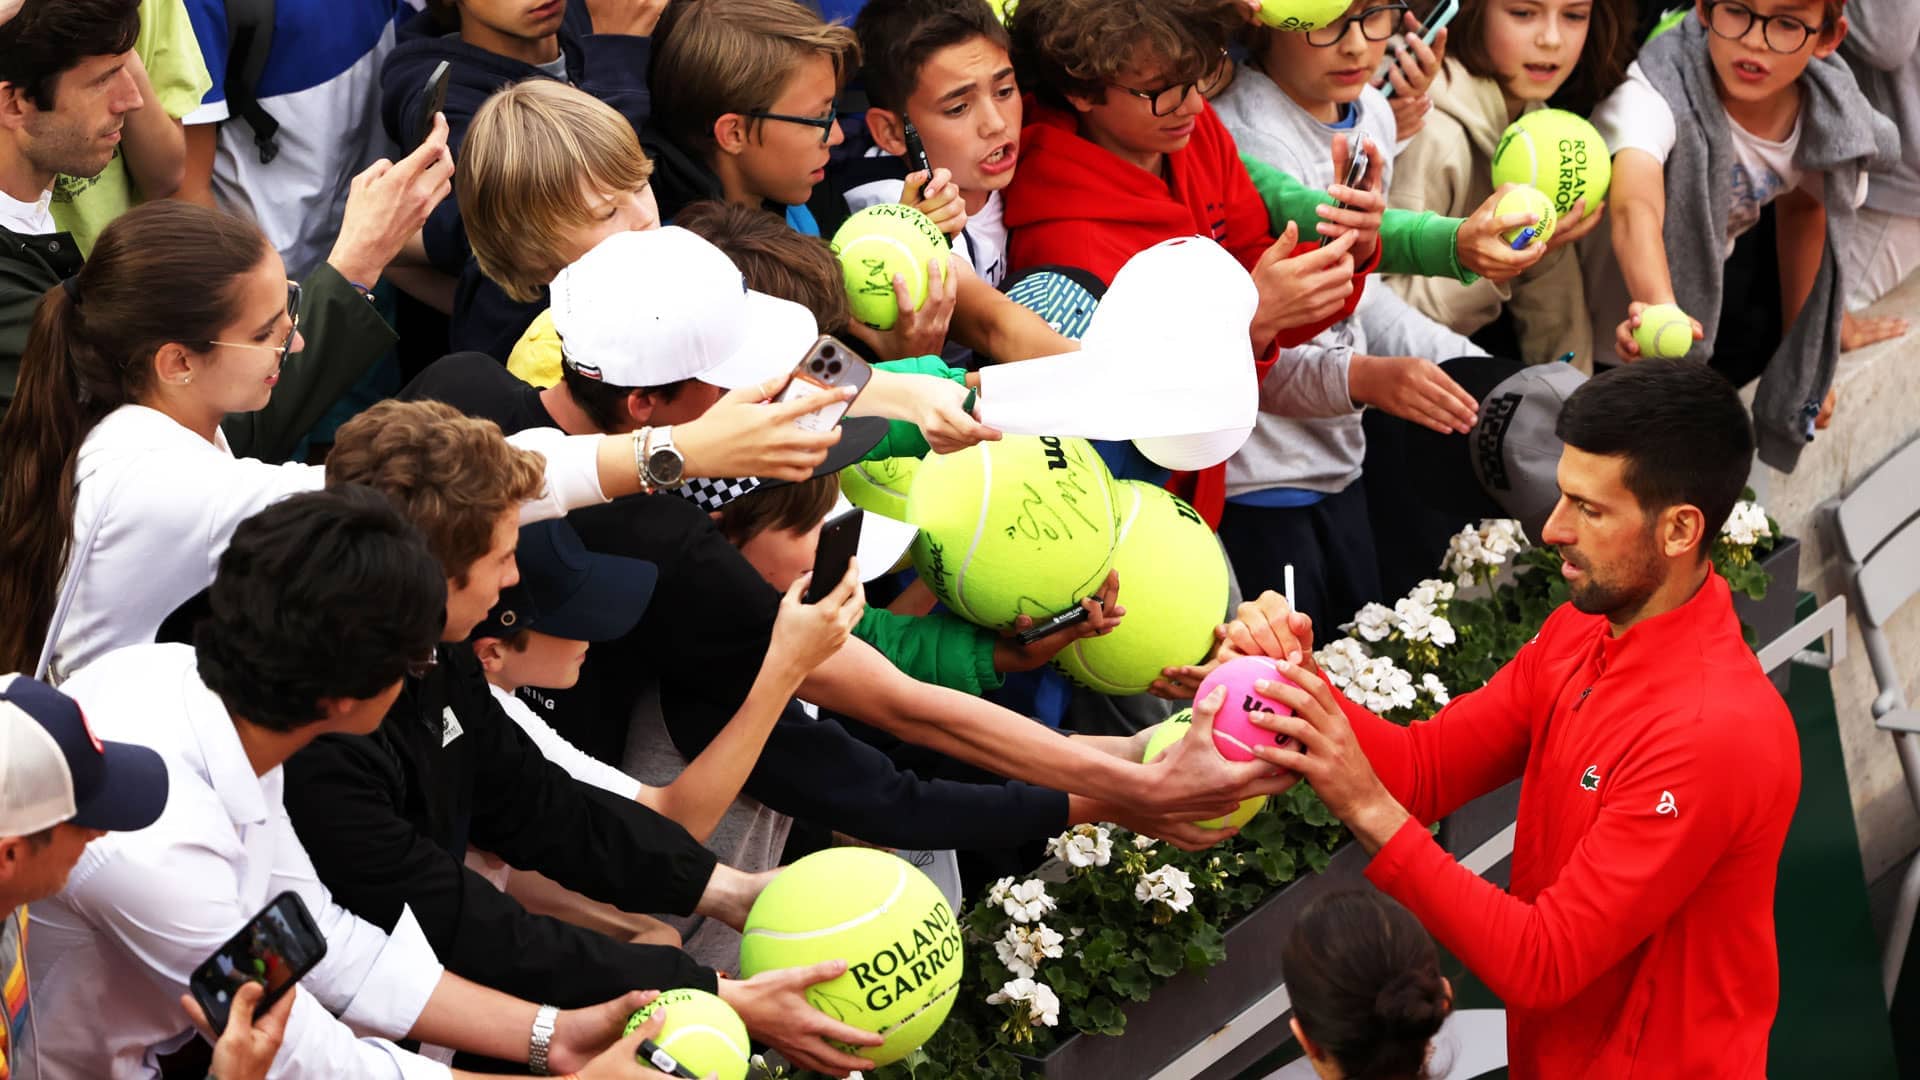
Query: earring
x: 185, y: 380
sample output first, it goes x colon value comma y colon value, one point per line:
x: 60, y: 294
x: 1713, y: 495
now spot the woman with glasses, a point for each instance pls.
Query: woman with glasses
x: 118, y: 488
x: 1741, y: 148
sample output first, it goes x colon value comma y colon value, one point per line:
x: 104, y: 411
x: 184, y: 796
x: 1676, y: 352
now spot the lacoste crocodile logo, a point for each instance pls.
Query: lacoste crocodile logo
x: 1590, y: 780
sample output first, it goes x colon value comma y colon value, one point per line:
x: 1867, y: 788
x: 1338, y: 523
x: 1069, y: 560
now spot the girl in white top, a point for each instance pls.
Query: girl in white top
x: 116, y: 474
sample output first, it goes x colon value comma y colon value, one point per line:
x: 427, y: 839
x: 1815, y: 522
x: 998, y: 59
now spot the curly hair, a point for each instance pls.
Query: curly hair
x: 322, y: 596
x: 1078, y: 48
x: 451, y: 475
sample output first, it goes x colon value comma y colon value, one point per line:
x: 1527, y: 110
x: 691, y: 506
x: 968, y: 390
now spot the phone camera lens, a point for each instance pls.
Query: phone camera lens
x: 815, y: 367
x: 833, y: 369
x: 827, y: 351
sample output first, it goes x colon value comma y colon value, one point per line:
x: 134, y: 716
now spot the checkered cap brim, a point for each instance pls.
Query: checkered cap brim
x: 710, y: 494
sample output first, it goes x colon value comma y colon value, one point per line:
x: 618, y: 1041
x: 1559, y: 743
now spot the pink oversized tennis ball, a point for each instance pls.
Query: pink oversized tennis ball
x: 1233, y: 734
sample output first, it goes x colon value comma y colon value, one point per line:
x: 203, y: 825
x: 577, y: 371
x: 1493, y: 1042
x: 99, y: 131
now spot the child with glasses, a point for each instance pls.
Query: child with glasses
x: 1741, y: 107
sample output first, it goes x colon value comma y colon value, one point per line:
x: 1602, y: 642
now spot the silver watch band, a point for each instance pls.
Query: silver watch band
x: 542, y: 1037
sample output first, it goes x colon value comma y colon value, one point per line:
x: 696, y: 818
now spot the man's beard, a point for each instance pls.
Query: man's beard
x: 1622, y: 591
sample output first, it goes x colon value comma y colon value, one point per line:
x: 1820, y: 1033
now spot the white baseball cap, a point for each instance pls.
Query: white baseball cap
x: 54, y: 769
x: 656, y: 307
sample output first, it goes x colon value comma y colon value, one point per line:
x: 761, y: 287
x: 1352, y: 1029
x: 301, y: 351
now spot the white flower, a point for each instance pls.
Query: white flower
x: 1008, y: 950
x: 997, y: 892
x: 1340, y: 659
x: 1028, y: 901
x: 1490, y: 543
x: 1043, y: 1006
x: 1747, y: 525
x: 1083, y: 846
x: 1023, y: 948
x: 1373, y: 622
x: 1502, y: 537
x: 1144, y: 843
x: 1169, y: 885
x: 1431, y: 592
x: 1431, y: 685
x: 1382, y: 686
x: 1418, y: 622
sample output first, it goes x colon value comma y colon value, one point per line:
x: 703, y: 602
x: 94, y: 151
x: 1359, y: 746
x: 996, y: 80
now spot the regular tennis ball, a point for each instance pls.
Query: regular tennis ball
x: 1665, y: 332
x: 887, y: 920
x: 701, y: 1032
x: 875, y: 244
x: 1233, y: 734
x: 1173, y: 583
x: 1559, y: 153
x: 880, y: 486
x: 1172, y: 730
x: 1526, y: 200
x: 1022, y: 526
x: 1301, y: 14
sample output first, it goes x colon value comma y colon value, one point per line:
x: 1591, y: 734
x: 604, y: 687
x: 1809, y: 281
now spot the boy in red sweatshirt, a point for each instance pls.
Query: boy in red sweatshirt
x: 1660, y: 766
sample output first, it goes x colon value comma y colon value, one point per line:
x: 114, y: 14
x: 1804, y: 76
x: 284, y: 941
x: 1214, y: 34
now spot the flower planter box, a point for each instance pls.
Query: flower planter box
x: 1189, y: 1008
x: 1772, y: 615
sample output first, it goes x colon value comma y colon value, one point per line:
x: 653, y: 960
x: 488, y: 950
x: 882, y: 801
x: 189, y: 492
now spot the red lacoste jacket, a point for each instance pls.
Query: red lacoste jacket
x: 1660, y: 771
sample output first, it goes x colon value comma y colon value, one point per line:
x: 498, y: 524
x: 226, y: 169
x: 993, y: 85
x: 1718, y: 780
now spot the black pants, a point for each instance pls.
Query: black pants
x: 1330, y: 545
x: 1750, y: 313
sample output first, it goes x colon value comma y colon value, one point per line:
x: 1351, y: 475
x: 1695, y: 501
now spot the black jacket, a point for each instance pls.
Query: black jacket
x: 387, y: 819
x: 29, y: 266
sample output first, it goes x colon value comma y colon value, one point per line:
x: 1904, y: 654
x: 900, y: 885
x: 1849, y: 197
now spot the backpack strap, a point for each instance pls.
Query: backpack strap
x: 249, y: 38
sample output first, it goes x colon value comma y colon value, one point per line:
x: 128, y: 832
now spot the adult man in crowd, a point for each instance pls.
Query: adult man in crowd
x: 1661, y: 767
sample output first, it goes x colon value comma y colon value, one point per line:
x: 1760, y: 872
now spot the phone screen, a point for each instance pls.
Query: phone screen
x: 274, y: 949
x: 435, y: 100
x: 827, y: 366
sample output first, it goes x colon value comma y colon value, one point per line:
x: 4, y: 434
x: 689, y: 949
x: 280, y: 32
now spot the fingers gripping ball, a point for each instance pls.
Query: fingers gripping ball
x: 880, y: 487
x: 877, y: 243
x: 1022, y: 526
x: 701, y: 1032
x: 1233, y: 733
x: 1560, y: 154
x: 887, y: 920
x: 1301, y: 14
x: 1665, y: 332
x: 1526, y: 200
x: 1171, y: 731
x: 1173, y: 583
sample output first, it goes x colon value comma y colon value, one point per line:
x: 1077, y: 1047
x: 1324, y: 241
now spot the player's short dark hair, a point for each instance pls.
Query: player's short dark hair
x: 47, y: 38
x: 1680, y: 426
x: 321, y: 596
x: 898, y: 36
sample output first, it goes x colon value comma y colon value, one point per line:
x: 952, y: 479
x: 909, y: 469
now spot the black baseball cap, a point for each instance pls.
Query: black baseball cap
x: 567, y: 591
x: 54, y: 770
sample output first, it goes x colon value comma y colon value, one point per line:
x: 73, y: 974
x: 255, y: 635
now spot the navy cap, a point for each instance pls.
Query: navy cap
x: 54, y: 770
x: 567, y: 591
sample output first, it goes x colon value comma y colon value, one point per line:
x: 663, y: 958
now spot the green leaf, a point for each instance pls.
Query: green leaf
x: 1165, y: 955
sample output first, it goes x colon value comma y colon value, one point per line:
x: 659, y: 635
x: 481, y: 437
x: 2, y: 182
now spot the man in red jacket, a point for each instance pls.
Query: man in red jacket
x: 1660, y: 767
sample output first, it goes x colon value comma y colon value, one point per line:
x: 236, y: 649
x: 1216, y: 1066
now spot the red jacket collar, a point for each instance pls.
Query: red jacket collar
x: 1708, y: 613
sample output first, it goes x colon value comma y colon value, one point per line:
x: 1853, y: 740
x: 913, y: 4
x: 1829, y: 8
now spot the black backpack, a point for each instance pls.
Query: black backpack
x: 249, y: 38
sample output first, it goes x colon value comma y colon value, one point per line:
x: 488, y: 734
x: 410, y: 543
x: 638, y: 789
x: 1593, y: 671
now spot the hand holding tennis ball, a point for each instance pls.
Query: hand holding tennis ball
x: 1658, y: 332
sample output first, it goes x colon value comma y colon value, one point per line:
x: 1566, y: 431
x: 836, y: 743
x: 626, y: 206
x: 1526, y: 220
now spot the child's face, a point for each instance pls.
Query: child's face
x: 1319, y: 78
x: 608, y: 213
x: 1123, y: 119
x: 1534, y: 44
x: 1749, y: 65
x: 967, y: 109
x: 550, y: 663
x: 782, y: 555
x: 782, y: 160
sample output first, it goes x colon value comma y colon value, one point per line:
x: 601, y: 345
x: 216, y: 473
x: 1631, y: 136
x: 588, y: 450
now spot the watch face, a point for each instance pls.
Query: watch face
x: 664, y: 467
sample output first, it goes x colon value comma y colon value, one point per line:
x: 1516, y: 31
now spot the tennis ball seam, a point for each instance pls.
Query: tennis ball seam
x: 1533, y: 159
x: 1218, y: 734
x: 973, y: 545
x: 899, y: 886
x: 952, y: 988
x: 678, y: 1033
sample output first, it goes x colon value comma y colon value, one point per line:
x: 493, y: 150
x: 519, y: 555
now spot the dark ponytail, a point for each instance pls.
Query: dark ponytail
x: 162, y: 272
x: 1366, y: 986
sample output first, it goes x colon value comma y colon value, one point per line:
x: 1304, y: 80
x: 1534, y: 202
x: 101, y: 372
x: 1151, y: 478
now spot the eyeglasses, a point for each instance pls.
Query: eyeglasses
x: 421, y: 666
x: 1375, y: 23
x: 1167, y: 99
x: 1782, y: 33
x: 824, y: 123
x: 293, y: 327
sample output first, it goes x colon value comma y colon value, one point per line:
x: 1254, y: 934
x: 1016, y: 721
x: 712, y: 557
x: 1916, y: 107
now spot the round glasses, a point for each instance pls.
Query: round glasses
x: 1167, y: 99
x: 293, y: 327
x: 1375, y: 23
x: 1782, y: 33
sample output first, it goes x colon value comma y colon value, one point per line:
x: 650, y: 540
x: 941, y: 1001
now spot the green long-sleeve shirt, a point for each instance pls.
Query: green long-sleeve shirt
x: 941, y: 649
x: 1411, y: 242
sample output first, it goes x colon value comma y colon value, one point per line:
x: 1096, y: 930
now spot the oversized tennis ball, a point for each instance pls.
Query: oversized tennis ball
x: 1301, y: 14
x: 1665, y: 332
x: 1526, y: 200
x: 1172, y: 730
x: 1559, y: 153
x: 1022, y: 526
x: 1233, y: 734
x: 880, y: 486
x: 887, y: 920
x: 1173, y: 583
x: 701, y: 1032
x: 873, y: 245
x: 1003, y: 9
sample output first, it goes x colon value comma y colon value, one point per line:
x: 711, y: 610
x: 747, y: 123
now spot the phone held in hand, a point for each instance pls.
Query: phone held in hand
x: 917, y: 160
x: 1356, y: 171
x: 1436, y: 21
x: 839, y: 541
x: 276, y: 949
x: 433, y: 101
x: 828, y: 365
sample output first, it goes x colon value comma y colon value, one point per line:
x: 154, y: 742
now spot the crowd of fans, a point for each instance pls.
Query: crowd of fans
x: 391, y: 468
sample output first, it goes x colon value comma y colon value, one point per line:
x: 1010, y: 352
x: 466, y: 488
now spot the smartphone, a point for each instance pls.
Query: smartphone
x: 1436, y: 21
x: 917, y: 160
x: 839, y: 541
x: 433, y: 100
x: 827, y: 366
x: 275, y: 949
x: 1356, y: 169
x: 652, y: 1054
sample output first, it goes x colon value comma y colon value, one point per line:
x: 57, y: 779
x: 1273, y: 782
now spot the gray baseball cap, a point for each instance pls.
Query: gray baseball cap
x: 1514, y: 450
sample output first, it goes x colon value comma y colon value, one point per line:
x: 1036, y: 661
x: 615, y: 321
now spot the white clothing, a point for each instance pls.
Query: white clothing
x: 579, y: 764
x: 166, y: 501
x: 1885, y: 251
x: 111, y: 954
x: 28, y: 219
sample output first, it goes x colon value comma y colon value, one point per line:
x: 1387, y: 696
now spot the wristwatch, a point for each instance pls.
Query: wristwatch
x: 665, y: 466
x: 542, y: 1037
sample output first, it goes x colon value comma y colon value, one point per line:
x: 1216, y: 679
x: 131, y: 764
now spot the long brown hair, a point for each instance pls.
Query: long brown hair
x: 1602, y: 66
x: 163, y: 272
